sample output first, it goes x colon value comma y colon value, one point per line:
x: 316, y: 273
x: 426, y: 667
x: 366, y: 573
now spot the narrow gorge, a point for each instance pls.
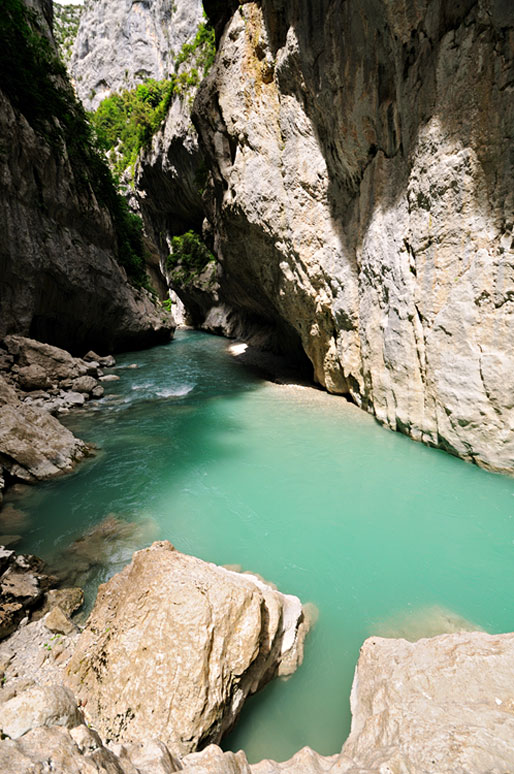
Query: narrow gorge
x: 328, y: 186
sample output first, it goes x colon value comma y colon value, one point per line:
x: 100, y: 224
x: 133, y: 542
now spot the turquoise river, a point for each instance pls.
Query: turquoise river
x: 382, y: 534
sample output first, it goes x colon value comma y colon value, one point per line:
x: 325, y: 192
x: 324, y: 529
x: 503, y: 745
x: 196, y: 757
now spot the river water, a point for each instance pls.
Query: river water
x: 382, y: 534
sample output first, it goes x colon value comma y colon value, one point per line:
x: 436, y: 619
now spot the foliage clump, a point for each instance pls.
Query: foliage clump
x: 188, y: 258
x: 126, y: 122
x: 35, y: 81
x: 66, y: 25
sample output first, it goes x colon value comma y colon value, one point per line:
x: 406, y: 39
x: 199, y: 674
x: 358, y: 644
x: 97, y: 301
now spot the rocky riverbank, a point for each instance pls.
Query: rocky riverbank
x: 171, y: 650
x: 38, y: 381
x: 173, y: 647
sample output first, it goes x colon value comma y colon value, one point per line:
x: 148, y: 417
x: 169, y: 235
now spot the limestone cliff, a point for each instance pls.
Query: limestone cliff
x: 361, y: 196
x: 121, y: 44
x: 64, y: 231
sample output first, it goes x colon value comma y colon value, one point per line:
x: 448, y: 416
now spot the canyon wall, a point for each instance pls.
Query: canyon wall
x: 62, y: 241
x: 361, y: 196
x: 121, y: 44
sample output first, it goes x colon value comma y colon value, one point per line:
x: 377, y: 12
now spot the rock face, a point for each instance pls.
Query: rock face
x: 174, y: 646
x: 61, y: 281
x: 121, y: 44
x: 442, y: 704
x: 166, y: 189
x: 361, y: 199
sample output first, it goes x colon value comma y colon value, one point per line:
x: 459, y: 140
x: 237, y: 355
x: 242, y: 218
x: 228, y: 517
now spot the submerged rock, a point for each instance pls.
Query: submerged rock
x: 108, y: 545
x: 175, y: 645
x: 425, y: 622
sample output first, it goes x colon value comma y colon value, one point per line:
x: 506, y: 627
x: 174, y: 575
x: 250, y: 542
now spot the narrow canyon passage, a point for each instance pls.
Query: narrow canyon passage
x: 383, y: 535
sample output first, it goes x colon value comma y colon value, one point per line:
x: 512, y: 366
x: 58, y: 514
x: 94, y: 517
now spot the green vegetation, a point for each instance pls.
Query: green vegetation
x: 66, y: 25
x: 202, y: 50
x: 35, y: 81
x: 188, y: 258
x: 125, y: 123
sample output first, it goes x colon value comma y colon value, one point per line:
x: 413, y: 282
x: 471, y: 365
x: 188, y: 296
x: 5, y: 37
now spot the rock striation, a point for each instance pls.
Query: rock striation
x: 361, y: 200
x: 119, y: 45
x: 175, y: 645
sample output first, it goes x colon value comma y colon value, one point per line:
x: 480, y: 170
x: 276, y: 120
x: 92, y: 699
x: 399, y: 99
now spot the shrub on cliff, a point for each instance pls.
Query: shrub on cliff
x: 188, y: 258
x: 126, y: 122
x: 66, y: 25
x: 35, y: 81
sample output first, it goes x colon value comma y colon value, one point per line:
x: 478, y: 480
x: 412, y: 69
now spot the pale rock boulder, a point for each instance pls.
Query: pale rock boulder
x: 79, y: 751
x: 174, y: 646
x: 440, y: 704
x: 69, y: 600
x: 58, y: 622
x: 443, y: 704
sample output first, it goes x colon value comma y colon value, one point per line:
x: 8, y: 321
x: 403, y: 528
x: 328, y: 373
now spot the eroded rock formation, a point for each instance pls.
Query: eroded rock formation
x: 175, y: 645
x: 362, y: 197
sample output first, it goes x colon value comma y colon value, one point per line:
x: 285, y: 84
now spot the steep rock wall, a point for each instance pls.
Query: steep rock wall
x: 121, y: 44
x: 362, y: 165
x: 61, y: 282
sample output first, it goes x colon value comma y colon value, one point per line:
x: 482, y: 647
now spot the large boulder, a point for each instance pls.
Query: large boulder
x: 44, y: 359
x: 443, y: 704
x: 174, y: 646
x: 33, y: 444
x: 439, y: 704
